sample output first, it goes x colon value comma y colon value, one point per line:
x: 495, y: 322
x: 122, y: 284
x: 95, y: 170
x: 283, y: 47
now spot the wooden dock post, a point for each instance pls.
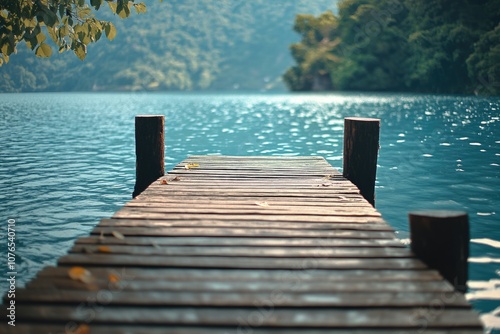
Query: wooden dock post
x: 361, y: 145
x: 149, y: 150
x: 441, y: 240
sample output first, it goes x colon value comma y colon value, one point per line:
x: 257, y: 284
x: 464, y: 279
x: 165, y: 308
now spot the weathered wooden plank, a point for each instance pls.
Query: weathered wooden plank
x: 151, y: 214
x: 118, y: 260
x: 265, y: 165
x: 242, y: 170
x: 307, y: 181
x: 256, y: 175
x: 162, y: 284
x: 246, y: 191
x: 311, y: 193
x: 237, y: 224
x: 268, y: 160
x: 234, y: 165
x: 308, y: 164
x: 308, y: 191
x: 264, y: 208
x: 313, y: 182
x: 356, y: 200
x: 271, y: 158
x: 145, y: 329
x: 346, y: 252
x: 240, y: 232
x: 297, y: 318
x: 293, y: 166
x: 278, y: 298
x: 275, y: 205
x: 234, y: 181
x: 242, y: 174
x: 257, y: 160
x: 306, y: 188
x: 231, y: 241
x: 300, y: 275
x: 256, y: 197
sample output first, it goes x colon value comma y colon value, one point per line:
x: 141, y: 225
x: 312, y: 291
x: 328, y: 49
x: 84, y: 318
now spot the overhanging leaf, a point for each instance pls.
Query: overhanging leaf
x: 43, y: 50
x: 80, y: 51
x: 110, y: 31
x: 49, y: 18
x: 63, y: 31
x: 123, y: 9
x: 140, y: 8
x: 62, y: 10
x: 53, y: 34
x: 7, y: 48
x: 96, y: 3
x: 40, y: 37
x: 84, y: 12
x: 113, y: 6
x: 29, y: 23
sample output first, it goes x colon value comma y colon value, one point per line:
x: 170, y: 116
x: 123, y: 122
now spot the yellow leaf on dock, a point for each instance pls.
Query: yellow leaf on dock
x: 118, y: 235
x: 80, y: 274
x: 104, y: 249
x: 82, y: 329
x: 191, y: 165
x: 262, y: 204
x: 113, y: 278
x: 163, y: 181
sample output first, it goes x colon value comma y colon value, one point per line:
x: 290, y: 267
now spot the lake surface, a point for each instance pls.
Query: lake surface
x: 67, y: 160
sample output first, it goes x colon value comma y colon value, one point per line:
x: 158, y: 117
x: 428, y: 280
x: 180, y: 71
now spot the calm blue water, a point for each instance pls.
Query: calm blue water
x: 67, y: 160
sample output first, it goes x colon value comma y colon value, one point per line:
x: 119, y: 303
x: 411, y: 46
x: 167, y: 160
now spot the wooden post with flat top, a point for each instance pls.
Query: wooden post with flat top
x: 441, y: 240
x: 149, y: 150
x: 361, y: 144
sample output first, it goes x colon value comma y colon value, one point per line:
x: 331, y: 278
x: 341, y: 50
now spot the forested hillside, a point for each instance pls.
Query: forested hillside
x: 176, y: 45
x: 432, y: 46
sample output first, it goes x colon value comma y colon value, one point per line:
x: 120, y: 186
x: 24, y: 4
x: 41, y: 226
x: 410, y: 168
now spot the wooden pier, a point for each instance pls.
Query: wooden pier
x: 243, y: 245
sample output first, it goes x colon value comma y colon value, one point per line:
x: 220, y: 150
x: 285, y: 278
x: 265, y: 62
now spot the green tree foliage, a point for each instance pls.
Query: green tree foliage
x: 70, y: 24
x: 439, y: 46
x: 484, y: 63
x: 315, y: 55
x: 176, y: 45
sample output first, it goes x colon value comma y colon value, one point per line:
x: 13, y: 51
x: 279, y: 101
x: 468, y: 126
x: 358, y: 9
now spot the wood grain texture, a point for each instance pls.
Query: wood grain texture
x: 145, y: 329
x: 279, y: 317
x: 267, y: 245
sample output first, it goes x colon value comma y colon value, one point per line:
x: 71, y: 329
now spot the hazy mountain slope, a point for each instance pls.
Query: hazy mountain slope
x: 177, y: 45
